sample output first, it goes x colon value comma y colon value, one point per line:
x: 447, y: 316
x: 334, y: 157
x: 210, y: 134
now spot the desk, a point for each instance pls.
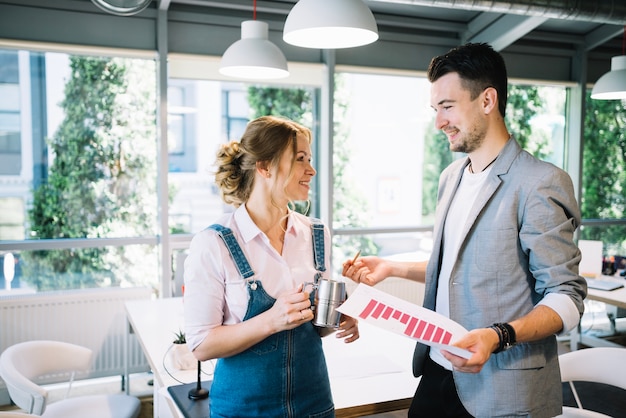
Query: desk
x: 371, y: 375
x: 615, y: 298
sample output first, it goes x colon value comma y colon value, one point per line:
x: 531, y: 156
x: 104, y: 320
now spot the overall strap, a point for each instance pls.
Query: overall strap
x: 317, y: 229
x: 234, y: 249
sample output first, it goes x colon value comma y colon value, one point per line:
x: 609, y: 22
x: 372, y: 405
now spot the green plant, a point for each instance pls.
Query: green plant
x: 180, y: 338
x: 101, y: 153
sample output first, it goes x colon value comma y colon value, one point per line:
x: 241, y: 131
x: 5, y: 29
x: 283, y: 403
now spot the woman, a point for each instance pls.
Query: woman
x: 246, y: 300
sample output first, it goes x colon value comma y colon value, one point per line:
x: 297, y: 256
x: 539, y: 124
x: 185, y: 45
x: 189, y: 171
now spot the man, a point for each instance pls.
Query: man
x: 504, y: 264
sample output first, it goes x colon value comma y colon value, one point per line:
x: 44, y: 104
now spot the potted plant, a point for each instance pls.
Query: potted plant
x: 179, y: 338
x: 182, y: 357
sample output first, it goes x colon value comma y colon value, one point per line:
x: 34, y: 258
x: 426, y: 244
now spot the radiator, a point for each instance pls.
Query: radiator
x: 94, y: 318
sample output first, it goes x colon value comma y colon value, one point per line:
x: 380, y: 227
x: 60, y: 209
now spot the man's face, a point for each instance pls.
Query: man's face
x: 458, y: 116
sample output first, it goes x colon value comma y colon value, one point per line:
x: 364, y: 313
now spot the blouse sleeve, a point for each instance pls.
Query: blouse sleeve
x: 204, y: 294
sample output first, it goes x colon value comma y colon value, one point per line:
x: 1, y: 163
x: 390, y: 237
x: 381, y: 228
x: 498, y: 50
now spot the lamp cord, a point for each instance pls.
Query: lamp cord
x: 171, y: 375
x: 254, y: 11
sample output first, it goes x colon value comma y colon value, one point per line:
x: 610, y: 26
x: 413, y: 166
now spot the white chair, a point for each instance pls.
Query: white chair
x: 22, y: 363
x: 598, y: 365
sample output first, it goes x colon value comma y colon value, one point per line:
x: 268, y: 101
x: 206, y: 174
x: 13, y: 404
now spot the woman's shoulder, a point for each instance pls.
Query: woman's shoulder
x: 210, y: 232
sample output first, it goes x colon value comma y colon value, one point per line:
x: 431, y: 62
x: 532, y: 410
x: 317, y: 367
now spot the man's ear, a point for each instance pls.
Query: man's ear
x: 490, y: 100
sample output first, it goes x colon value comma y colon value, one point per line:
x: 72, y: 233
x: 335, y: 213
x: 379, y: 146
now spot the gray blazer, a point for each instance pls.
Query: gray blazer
x: 516, y: 247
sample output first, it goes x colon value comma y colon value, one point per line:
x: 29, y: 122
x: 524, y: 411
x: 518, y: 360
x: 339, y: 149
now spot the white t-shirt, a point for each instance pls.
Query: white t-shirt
x: 463, y: 200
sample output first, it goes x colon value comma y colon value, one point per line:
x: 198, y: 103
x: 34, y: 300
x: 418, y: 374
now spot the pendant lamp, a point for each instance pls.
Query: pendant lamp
x: 254, y: 56
x: 330, y: 24
x: 612, y: 85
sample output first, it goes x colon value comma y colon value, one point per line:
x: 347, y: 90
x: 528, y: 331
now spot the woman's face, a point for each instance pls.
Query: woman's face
x: 296, y: 180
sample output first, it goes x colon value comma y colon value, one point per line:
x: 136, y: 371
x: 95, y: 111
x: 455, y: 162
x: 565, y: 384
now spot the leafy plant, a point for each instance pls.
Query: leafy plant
x: 180, y: 337
x: 100, y: 181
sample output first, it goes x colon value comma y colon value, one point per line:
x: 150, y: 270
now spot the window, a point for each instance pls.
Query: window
x: 378, y: 165
x: 182, y: 115
x: 603, y: 202
x: 86, y: 201
x: 10, y: 103
x: 388, y: 157
x: 236, y: 112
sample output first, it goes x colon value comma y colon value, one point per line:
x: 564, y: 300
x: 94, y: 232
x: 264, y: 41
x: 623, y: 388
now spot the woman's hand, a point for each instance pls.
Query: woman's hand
x: 291, y: 309
x: 368, y: 270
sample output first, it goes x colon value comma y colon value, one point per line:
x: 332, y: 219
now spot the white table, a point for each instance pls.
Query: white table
x: 615, y: 298
x: 369, y: 376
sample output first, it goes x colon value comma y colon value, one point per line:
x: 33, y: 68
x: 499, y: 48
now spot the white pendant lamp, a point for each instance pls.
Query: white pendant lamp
x: 612, y: 85
x: 254, y: 56
x: 330, y: 24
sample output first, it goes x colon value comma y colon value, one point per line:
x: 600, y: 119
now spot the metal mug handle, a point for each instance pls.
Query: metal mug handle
x: 315, y: 284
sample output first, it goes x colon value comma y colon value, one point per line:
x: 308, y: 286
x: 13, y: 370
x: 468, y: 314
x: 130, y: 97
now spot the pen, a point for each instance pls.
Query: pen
x: 356, y: 256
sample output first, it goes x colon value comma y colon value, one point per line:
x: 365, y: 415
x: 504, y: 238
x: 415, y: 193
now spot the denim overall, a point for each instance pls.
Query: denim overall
x: 284, y: 375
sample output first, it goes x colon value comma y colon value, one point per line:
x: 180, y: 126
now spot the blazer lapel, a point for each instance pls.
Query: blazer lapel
x: 501, y: 166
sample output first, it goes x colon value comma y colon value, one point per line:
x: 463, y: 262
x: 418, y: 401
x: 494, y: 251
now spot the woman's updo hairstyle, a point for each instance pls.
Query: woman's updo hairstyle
x: 265, y: 140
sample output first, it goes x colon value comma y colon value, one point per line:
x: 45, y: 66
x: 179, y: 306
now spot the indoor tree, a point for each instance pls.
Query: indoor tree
x: 101, y: 177
x: 604, y: 171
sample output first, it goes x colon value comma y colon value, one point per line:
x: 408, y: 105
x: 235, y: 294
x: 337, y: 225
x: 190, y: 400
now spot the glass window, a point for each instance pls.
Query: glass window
x: 535, y: 116
x: 10, y: 131
x: 388, y: 157
x: 379, y: 149
x: 603, y: 202
x: 83, y: 267
x: 182, y: 126
x: 85, y: 206
x: 379, y: 164
x: 236, y: 112
x: 12, y: 220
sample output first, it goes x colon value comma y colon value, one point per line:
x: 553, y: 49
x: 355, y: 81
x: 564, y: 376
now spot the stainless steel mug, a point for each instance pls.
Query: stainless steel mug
x: 329, y: 296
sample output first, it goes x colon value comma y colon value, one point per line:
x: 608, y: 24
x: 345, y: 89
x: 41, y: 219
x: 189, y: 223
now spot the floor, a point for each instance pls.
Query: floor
x: 594, y: 321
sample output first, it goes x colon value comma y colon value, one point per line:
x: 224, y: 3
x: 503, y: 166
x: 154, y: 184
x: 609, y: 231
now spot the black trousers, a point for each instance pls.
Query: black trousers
x: 436, y: 395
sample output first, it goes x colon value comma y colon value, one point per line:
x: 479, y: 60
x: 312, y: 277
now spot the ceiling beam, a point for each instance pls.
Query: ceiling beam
x: 602, y: 35
x: 506, y: 30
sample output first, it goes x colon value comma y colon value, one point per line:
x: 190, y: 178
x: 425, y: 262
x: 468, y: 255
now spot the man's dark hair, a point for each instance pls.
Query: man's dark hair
x: 479, y: 66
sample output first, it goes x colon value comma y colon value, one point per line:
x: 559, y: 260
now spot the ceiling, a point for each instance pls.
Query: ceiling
x: 552, y: 24
x: 551, y: 40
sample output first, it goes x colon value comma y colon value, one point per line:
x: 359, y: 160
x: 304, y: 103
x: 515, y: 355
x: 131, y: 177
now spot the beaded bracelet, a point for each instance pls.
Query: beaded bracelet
x: 506, y: 336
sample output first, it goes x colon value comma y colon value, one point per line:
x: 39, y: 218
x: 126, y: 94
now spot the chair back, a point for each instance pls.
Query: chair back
x: 22, y: 363
x: 598, y: 364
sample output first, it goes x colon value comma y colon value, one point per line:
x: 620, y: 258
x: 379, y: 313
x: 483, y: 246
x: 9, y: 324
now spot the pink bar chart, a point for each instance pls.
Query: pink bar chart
x: 396, y: 315
x: 415, y: 327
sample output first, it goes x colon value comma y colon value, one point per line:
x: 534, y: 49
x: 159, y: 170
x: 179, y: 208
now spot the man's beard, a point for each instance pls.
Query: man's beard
x: 470, y: 142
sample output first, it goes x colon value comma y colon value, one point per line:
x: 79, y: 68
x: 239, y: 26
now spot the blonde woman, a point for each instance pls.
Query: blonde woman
x: 245, y: 298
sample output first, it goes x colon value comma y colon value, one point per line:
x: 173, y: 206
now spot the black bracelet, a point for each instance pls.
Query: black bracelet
x: 506, y: 335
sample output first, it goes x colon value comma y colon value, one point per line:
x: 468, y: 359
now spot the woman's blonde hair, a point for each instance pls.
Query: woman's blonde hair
x: 265, y: 140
